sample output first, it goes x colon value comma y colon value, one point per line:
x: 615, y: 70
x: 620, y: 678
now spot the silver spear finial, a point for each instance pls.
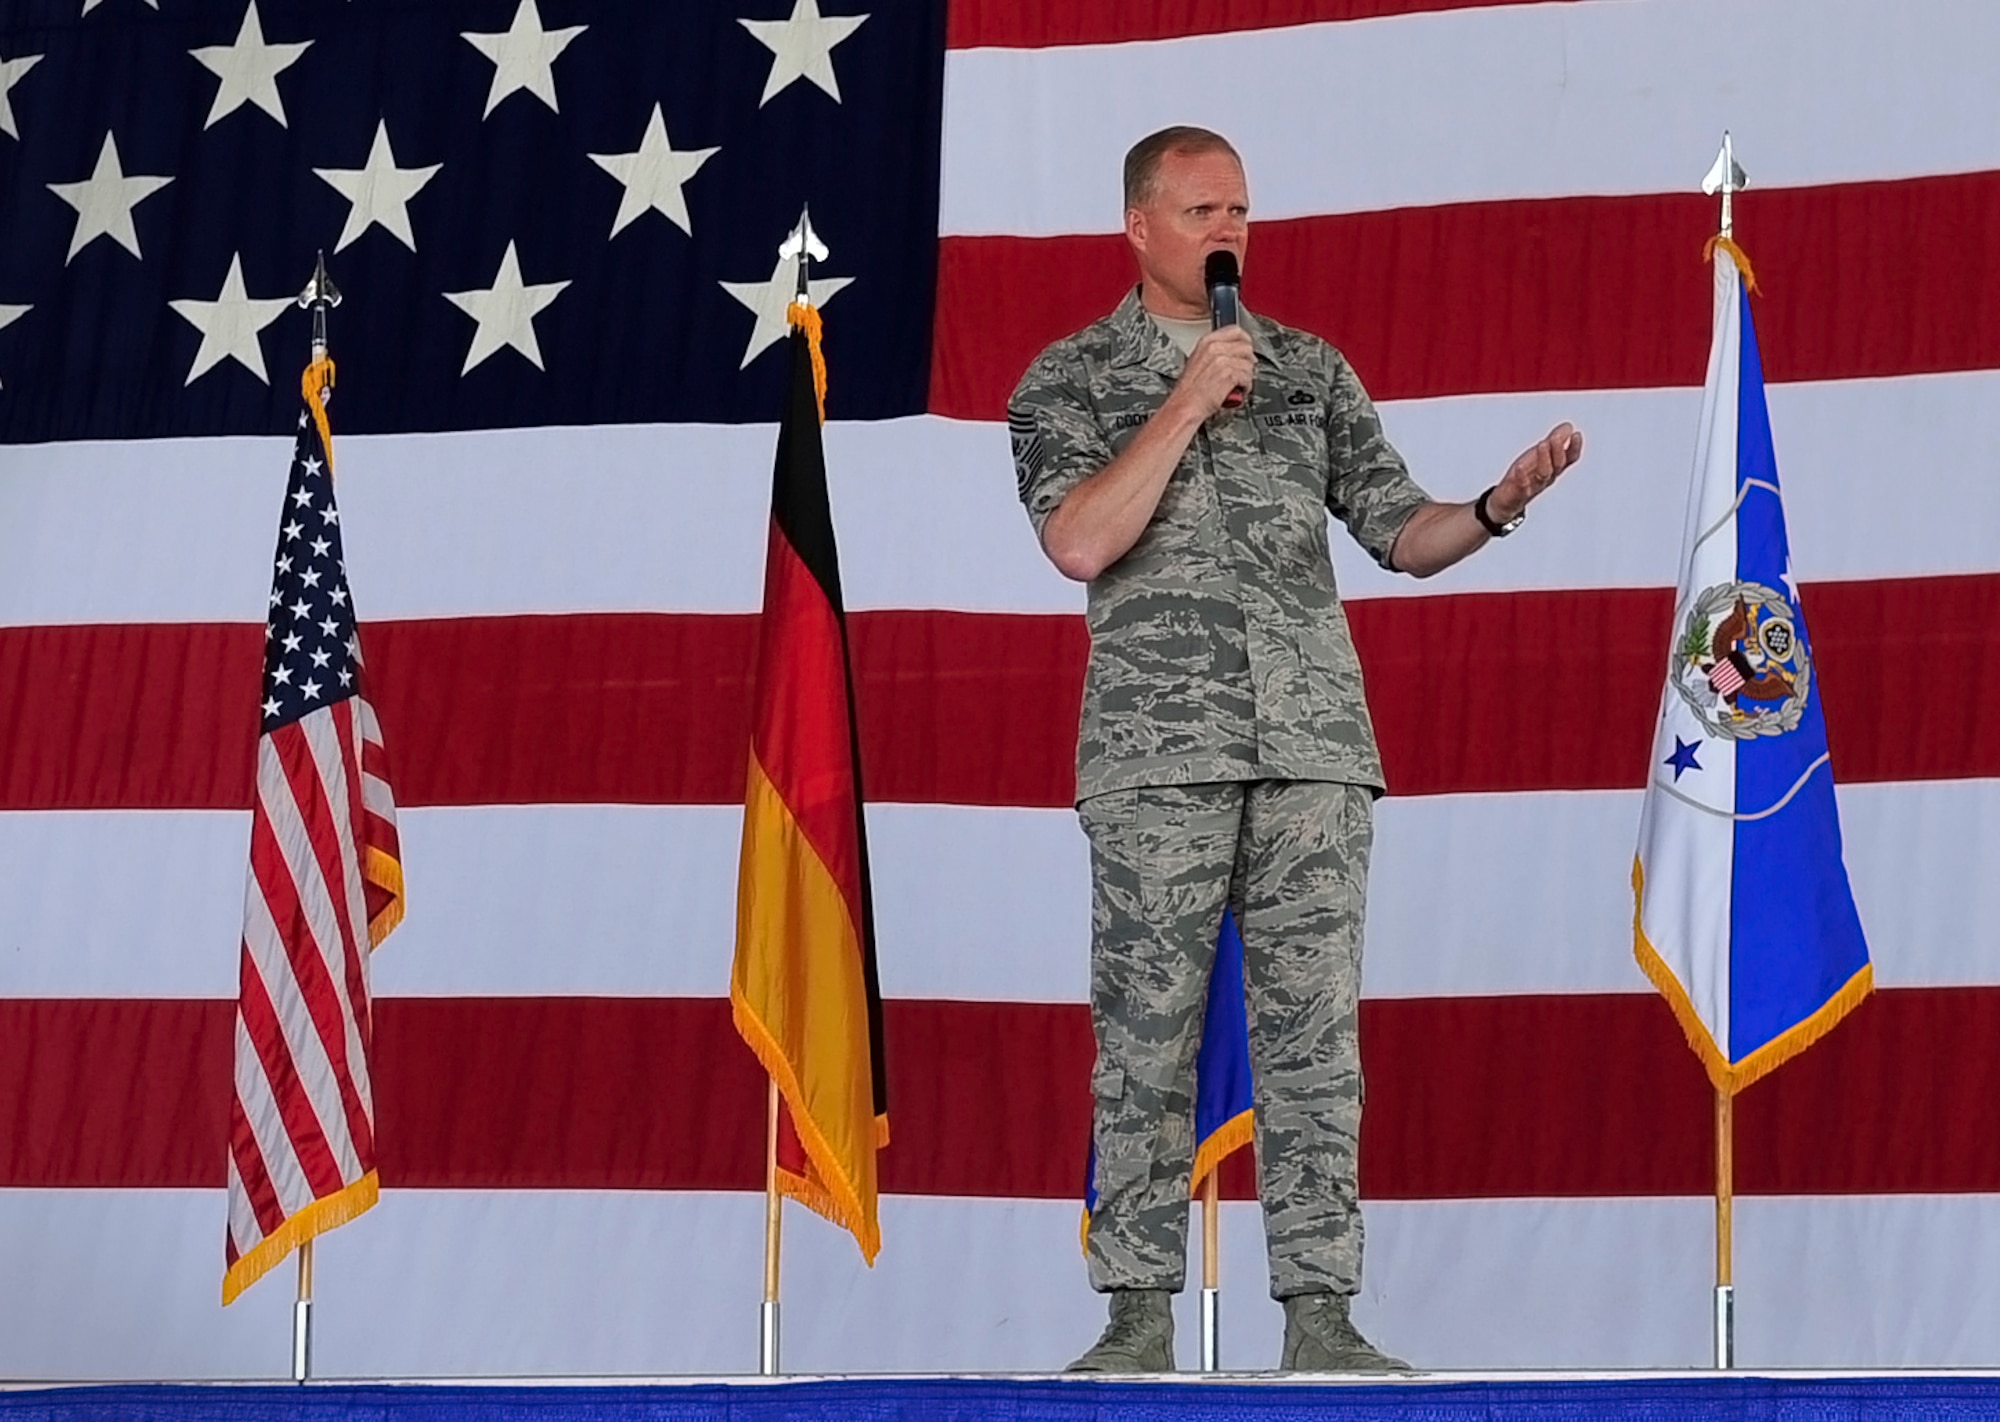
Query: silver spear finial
x: 802, y: 242
x: 1728, y: 178
x: 320, y: 296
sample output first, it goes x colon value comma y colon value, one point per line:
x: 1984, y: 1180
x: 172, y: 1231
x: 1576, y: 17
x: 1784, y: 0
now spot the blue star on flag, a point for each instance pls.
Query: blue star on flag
x: 1683, y: 757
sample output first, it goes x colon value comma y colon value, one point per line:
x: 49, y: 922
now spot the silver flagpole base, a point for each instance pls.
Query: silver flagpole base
x: 1725, y: 1326
x: 302, y: 1340
x: 767, y: 1340
x: 1211, y: 1330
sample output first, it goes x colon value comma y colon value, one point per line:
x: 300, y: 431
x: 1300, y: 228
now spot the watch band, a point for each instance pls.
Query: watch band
x: 1486, y: 520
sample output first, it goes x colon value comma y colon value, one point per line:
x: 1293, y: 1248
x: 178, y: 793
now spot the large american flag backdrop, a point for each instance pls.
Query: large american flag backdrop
x: 556, y: 221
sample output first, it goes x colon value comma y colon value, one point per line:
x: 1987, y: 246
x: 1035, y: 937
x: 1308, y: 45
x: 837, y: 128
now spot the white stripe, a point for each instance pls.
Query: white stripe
x: 243, y: 1230
x: 1473, y: 895
x: 316, y: 904
x: 650, y: 518
x: 1469, y: 895
x: 1470, y: 105
x: 122, y: 1284
x: 303, y: 1042
x: 331, y: 762
x: 378, y: 798
x: 122, y: 903
x: 1612, y: 522
x: 629, y: 900
x: 315, y: 895
x: 267, y: 1125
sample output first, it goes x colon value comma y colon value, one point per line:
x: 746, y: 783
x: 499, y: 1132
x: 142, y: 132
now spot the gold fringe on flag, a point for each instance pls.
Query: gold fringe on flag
x: 327, y: 1213
x: 1228, y: 1138
x: 386, y: 874
x: 313, y: 384
x: 805, y: 317
x: 1224, y: 1141
x: 832, y: 1195
x: 1724, y: 243
x: 1731, y: 1077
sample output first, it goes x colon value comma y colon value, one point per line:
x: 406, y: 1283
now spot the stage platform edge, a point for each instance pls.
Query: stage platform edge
x: 1774, y: 1396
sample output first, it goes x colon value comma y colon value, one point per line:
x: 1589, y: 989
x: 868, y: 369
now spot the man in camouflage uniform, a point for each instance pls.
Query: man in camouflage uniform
x: 1225, y: 753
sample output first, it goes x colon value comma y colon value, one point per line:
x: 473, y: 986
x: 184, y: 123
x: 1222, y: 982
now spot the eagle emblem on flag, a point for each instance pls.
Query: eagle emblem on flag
x: 1741, y: 662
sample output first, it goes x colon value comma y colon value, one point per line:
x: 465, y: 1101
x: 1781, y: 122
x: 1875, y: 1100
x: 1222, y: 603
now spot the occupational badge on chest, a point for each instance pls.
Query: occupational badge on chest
x: 1740, y: 663
x: 1300, y: 408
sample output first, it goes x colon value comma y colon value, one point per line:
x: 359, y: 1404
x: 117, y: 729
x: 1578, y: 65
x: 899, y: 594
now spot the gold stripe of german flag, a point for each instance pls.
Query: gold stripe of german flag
x: 804, y: 988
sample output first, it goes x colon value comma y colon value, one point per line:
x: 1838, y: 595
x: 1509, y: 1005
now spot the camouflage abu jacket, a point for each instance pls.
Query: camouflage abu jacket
x: 1218, y: 647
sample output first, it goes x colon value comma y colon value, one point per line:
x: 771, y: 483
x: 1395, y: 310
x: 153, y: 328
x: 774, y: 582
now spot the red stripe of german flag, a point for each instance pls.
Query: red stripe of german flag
x: 804, y: 990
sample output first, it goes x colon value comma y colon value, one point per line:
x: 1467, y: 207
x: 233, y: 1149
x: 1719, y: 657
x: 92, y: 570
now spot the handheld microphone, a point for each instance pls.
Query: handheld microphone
x: 1224, y: 282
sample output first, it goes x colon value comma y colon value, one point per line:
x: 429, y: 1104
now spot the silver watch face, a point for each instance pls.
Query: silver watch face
x: 1513, y: 523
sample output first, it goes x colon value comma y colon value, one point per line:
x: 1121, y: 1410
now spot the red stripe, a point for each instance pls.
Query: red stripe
x: 354, y: 950
x: 800, y: 731
x: 298, y: 1113
x: 1037, y: 24
x: 115, y: 1089
x: 378, y: 831
x: 303, y: 951
x: 380, y: 834
x: 255, y: 1176
x: 1467, y: 1097
x: 972, y: 708
x: 374, y: 753
x: 141, y: 715
x: 1455, y: 682
x: 1612, y: 292
x: 314, y: 786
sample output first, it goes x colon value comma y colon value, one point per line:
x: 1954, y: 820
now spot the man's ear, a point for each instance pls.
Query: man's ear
x: 1135, y: 228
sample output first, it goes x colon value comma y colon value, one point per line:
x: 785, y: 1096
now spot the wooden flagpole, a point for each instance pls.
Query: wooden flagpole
x: 1725, y: 1200
x: 767, y: 1338
x: 803, y: 244
x: 1211, y: 1271
x: 1725, y: 178
x: 319, y: 297
x: 302, y: 1317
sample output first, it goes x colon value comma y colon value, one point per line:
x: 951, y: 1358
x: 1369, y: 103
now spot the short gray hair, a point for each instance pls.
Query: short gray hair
x: 1142, y: 163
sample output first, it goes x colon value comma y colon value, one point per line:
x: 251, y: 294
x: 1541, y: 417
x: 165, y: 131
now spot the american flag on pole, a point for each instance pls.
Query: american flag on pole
x: 325, y: 888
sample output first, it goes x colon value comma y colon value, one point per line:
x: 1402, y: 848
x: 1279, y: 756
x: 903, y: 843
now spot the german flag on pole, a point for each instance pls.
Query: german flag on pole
x: 803, y: 989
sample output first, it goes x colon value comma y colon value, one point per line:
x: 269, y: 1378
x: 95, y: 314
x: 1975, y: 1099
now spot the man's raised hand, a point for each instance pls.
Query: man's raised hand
x: 1538, y: 466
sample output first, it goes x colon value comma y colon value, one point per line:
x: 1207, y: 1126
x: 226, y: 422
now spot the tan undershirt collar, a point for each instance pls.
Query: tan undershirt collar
x: 1182, y: 333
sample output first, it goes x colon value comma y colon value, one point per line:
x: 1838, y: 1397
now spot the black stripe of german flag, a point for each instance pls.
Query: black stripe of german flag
x: 804, y: 987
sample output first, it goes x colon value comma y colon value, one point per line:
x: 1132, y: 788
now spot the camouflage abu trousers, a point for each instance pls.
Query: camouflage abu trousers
x: 1291, y: 858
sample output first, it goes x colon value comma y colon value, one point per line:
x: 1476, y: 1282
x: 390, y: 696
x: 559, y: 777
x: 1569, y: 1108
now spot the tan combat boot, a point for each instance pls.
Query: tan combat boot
x: 1138, y: 1339
x: 1321, y: 1338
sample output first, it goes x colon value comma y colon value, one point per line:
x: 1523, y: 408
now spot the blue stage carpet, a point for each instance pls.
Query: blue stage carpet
x: 1723, y: 1399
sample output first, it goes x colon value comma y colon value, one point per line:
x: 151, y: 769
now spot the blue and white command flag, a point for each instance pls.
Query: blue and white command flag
x: 1745, y: 920
x: 1224, y: 1106
x: 1225, y: 1118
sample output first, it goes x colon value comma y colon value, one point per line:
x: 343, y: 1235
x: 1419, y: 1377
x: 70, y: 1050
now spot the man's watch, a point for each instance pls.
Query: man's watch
x: 1486, y: 520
